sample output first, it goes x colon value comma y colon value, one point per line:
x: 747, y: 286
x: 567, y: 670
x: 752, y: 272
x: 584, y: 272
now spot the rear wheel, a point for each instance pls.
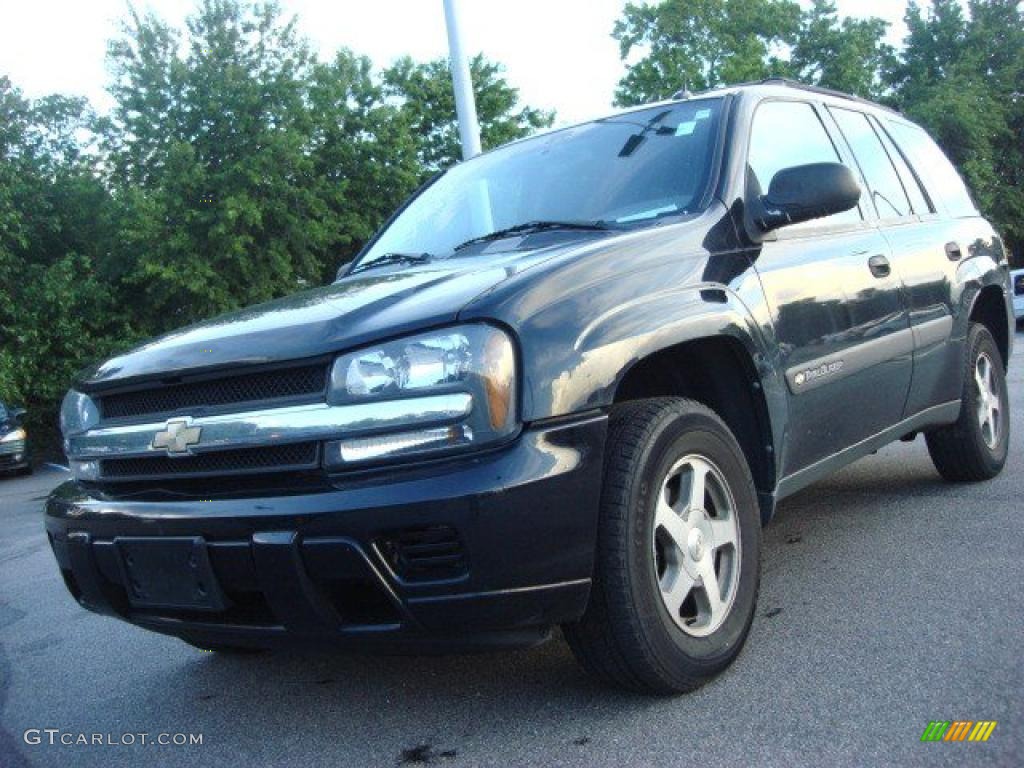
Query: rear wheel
x: 975, y: 446
x: 678, y: 556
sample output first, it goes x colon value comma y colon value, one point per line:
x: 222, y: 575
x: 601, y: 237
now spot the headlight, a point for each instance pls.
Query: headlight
x: 11, y: 437
x: 78, y: 413
x: 478, y: 360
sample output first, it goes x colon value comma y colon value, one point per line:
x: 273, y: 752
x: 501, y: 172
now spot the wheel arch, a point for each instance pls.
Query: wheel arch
x: 988, y: 307
x: 721, y: 372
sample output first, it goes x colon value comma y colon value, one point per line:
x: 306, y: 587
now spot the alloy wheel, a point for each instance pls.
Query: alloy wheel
x: 990, y: 406
x: 696, y: 545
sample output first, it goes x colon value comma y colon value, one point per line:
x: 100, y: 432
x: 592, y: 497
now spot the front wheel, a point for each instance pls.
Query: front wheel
x: 678, y: 553
x: 975, y: 446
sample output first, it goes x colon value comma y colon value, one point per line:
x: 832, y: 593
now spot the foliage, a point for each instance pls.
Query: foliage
x: 427, y: 101
x: 960, y: 74
x: 962, y: 77
x: 235, y: 166
x: 847, y: 55
x: 700, y: 44
x: 56, y: 224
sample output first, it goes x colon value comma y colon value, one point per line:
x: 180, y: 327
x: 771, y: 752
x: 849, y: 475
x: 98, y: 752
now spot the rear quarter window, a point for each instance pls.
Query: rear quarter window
x: 933, y: 167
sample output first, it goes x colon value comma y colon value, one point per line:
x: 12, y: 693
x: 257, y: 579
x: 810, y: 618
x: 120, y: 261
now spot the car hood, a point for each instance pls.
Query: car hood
x: 359, y: 309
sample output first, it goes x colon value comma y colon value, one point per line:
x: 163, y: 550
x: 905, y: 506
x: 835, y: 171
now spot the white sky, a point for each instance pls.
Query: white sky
x: 559, y: 53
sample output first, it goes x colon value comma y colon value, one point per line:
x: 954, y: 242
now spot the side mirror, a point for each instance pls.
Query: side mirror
x: 342, y: 270
x: 806, y: 192
x: 16, y: 414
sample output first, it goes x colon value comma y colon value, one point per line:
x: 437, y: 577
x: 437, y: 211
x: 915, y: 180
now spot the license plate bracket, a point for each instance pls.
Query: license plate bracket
x: 171, y: 572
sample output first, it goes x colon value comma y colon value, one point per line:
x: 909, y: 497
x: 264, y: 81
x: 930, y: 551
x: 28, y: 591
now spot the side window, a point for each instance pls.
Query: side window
x: 940, y: 177
x: 918, y: 199
x: 789, y: 133
x: 887, y: 191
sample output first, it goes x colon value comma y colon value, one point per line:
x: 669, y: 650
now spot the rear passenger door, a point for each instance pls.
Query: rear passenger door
x: 899, y: 207
x: 929, y: 254
x: 837, y: 306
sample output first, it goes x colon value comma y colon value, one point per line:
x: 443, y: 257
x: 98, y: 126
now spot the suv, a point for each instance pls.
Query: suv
x: 566, y: 384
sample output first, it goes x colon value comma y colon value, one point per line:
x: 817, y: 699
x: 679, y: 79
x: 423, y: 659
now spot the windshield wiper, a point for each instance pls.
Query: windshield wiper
x: 392, y: 258
x: 536, y: 226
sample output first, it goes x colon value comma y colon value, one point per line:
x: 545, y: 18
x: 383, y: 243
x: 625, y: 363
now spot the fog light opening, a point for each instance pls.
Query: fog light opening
x: 362, y: 449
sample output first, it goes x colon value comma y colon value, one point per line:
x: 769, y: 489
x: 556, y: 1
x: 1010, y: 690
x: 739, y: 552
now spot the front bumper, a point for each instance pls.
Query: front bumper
x: 490, y: 549
x: 14, y: 456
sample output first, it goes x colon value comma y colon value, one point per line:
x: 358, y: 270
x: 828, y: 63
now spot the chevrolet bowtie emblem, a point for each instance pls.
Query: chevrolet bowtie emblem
x: 177, y: 437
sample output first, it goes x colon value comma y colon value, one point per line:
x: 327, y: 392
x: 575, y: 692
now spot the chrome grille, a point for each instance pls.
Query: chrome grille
x: 273, y: 458
x: 14, y: 446
x: 302, y: 382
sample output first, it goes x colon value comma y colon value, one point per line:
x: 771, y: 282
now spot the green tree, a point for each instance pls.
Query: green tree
x: 364, y: 151
x: 962, y: 77
x: 701, y: 44
x: 848, y: 55
x: 234, y: 167
x: 56, y: 312
x: 216, y: 141
x: 427, y: 101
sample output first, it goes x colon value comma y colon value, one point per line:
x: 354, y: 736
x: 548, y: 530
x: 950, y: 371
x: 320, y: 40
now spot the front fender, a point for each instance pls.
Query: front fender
x: 579, y: 345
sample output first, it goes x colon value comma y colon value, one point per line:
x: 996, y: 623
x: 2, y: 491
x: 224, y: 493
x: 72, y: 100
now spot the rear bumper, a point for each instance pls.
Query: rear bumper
x: 487, y: 550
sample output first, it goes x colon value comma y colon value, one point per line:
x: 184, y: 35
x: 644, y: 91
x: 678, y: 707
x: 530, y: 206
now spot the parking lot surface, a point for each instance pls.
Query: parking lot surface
x: 889, y: 599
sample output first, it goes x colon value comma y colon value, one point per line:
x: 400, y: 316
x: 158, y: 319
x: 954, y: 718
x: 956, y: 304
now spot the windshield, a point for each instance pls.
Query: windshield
x: 627, y: 170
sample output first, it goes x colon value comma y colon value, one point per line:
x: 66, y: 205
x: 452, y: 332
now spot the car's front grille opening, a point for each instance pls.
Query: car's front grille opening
x: 360, y: 602
x: 277, y: 458
x: 425, y: 554
x: 301, y: 382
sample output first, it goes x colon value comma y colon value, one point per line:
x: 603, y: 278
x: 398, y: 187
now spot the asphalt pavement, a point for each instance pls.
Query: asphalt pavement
x: 889, y: 599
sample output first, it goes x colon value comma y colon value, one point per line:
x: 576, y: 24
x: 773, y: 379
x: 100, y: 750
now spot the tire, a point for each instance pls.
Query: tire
x: 628, y: 635
x: 968, y: 450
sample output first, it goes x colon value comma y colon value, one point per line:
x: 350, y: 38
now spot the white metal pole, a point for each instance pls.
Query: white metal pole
x: 465, y: 102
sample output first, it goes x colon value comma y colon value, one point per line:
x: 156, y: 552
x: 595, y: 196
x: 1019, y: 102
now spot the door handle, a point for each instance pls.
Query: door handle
x: 953, y: 252
x: 879, y: 265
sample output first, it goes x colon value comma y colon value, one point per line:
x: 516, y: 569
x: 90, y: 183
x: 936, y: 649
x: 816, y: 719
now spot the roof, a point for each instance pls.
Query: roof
x: 784, y: 82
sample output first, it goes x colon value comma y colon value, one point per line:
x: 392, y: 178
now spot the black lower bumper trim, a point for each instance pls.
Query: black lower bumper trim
x: 313, y: 567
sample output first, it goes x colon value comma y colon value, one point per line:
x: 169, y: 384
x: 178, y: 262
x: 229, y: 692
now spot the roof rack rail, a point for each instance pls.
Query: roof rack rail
x: 790, y: 83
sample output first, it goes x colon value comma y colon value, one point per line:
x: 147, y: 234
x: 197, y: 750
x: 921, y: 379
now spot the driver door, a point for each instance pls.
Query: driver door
x: 836, y: 301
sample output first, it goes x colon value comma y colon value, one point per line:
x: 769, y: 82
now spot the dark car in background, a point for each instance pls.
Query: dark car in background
x: 14, y: 455
x: 566, y: 385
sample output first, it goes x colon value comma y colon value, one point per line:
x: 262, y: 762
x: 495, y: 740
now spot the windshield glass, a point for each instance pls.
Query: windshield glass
x: 627, y: 170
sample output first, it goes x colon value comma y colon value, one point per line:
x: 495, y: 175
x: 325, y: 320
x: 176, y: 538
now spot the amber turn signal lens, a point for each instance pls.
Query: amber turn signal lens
x: 499, y: 374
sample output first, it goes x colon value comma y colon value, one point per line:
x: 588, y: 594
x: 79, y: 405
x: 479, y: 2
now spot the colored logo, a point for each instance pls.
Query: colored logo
x: 958, y: 730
